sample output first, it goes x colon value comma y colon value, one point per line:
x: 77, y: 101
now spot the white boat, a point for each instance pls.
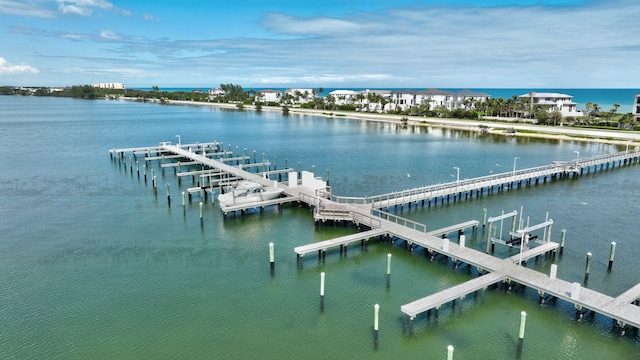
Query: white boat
x: 246, y: 192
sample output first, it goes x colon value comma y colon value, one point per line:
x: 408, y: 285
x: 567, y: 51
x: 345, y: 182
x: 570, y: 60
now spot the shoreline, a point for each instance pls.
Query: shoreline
x: 491, y: 127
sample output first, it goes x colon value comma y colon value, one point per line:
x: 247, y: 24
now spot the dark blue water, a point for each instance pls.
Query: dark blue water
x: 95, y: 265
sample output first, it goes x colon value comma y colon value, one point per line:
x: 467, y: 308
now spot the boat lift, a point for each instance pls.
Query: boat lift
x: 520, y: 237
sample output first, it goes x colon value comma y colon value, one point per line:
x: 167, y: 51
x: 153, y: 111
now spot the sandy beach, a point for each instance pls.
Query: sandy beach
x: 621, y: 137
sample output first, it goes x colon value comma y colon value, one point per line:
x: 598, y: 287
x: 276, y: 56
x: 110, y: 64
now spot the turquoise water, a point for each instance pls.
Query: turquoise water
x: 94, y: 265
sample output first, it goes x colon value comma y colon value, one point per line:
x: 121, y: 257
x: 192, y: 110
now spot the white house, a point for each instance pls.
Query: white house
x: 115, y: 86
x: 268, y: 96
x: 464, y: 99
x: 373, y: 100
x: 215, y: 93
x: 405, y: 99
x: 343, y: 97
x: 636, y: 107
x: 554, y: 101
x: 300, y: 96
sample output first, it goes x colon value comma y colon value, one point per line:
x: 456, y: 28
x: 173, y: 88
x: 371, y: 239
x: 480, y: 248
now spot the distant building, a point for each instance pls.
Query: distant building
x: 636, y: 107
x: 216, y: 93
x: 300, y: 96
x: 372, y: 100
x: 554, y: 101
x: 463, y: 99
x: 114, y: 86
x: 268, y: 96
x: 342, y: 97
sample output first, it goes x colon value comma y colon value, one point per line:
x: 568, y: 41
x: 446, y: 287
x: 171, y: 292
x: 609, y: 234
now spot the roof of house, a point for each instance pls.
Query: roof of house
x: 546, y: 95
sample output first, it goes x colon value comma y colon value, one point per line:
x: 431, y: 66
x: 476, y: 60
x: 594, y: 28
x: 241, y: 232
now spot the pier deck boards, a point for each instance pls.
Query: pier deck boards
x: 344, y: 240
x: 257, y: 204
x: 630, y: 295
x: 452, y: 228
x: 533, y: 252
x: 455, y: 292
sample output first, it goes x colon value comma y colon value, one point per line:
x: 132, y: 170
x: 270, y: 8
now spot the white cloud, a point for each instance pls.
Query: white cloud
x: 291, y: 25
x: 7, y: 68
x: 84, y: 7
x: 28, y: 9
x: 109, y: 35
x: 149, y: 17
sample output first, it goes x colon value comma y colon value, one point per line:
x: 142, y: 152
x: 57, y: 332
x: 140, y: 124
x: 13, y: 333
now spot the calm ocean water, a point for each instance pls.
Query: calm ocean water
x: 94, y: 265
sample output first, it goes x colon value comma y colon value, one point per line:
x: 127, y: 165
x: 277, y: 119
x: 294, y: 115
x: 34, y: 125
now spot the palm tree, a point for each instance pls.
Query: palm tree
x: 613, y: 113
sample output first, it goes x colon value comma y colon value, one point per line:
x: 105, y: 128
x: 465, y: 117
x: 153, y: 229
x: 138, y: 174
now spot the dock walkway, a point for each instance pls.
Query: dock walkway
x: 366, y: 211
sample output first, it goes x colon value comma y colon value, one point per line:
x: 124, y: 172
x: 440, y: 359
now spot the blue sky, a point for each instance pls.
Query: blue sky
x: 329, y: 43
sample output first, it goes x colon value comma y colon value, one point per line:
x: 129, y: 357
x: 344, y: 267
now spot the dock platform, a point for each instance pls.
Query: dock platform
x: 455, y: 292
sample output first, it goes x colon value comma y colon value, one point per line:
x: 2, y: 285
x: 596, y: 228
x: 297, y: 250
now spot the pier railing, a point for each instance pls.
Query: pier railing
x: 464, y: 185
x: 399, y: 220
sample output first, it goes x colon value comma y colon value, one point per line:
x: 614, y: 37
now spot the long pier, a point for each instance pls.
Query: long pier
x: 488, y: 184
x: 367, y: 212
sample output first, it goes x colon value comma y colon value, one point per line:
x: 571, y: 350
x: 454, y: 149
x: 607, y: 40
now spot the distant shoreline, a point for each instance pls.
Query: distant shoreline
x: 497, y: 128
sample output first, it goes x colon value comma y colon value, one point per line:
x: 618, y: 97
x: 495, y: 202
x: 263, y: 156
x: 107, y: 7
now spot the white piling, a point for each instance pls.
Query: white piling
x: 201, y: 218
x: 271, y: 258
x: 554, y: 271
x: 462, y: 240
x: 523, y: 320
x: 376, y: 309
x: 388, y: 270
x: 450, y: 352
x: 575, y: 291
x: 322, y: 291
x: 611, y: 254
x: 445, y: 245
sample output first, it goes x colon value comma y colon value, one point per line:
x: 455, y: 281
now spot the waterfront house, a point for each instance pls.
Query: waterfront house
x: 216, y: 93
x: 554, y: 101
x: 300, y: 96
x: 372, y: 100
x: 342, y: 97
x: 114, y: 86
x: 636, y: 107
x: 463, y: 99
x: 268, y: 96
